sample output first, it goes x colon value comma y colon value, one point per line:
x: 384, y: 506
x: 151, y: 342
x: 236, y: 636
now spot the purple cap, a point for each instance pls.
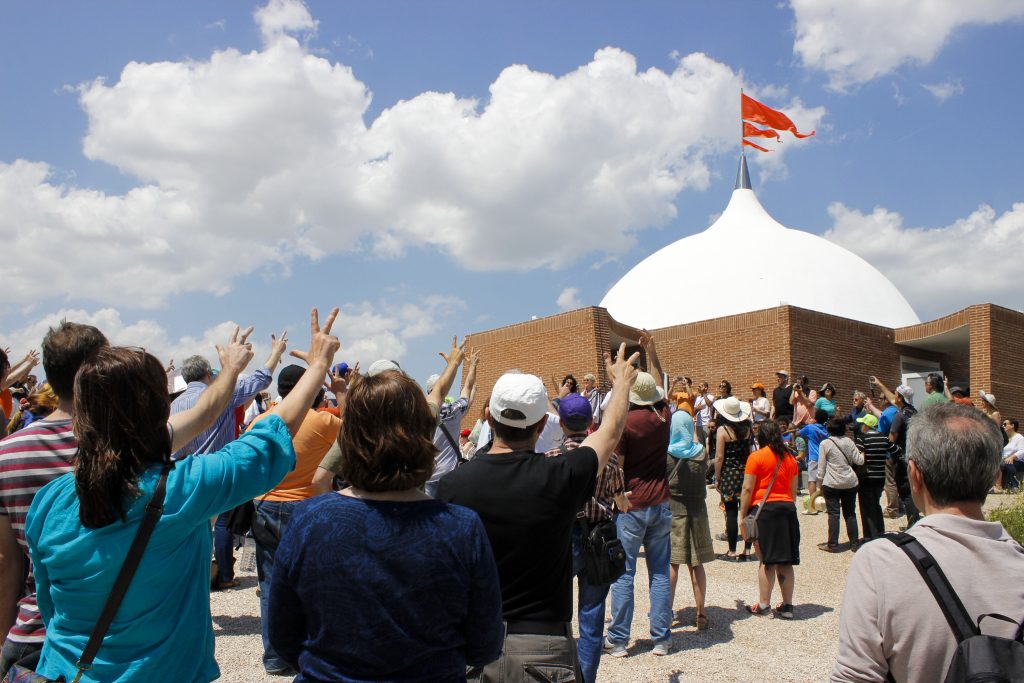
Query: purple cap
x: 575, y: 412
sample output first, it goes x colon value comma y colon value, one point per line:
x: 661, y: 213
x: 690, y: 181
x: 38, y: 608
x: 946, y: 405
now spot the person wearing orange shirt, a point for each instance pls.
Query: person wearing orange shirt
x: 770, y: 481
x: 315, y: 437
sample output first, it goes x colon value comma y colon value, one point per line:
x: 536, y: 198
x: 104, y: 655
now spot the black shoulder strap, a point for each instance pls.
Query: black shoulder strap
x: 154, y: 509
x: 451, y: 439
x: 959, y: 620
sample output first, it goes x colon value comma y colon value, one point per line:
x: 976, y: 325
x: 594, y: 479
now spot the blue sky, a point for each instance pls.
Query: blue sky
x: 447, y: 167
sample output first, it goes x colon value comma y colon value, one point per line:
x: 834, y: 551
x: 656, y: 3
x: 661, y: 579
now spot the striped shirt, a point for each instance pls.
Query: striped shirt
x: 223, y: 430
x: 877, y: 449
x: 30, y: 459
x: 610, y: 482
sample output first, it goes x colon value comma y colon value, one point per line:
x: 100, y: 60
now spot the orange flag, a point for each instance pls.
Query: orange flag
x: 750, y: 131
x: 752, y: 110
x: 748, y: 143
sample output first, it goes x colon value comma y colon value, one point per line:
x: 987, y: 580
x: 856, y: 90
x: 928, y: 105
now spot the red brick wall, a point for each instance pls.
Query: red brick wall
x: 750, y: 347
x: 1006, y: 329
x: 742, y: 349
x: 546, y: 347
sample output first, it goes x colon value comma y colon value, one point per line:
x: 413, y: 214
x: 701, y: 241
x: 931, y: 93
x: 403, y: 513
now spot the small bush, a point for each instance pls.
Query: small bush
x: 1012, y: 517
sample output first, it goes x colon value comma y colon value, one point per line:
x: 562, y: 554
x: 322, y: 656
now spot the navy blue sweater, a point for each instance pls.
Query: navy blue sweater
x: 384, y: 591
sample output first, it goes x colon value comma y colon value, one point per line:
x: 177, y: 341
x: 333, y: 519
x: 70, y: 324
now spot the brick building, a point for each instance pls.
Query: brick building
x: 829, y: 337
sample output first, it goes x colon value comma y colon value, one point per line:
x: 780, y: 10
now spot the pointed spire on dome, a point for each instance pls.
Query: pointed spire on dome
x: 742, y: 176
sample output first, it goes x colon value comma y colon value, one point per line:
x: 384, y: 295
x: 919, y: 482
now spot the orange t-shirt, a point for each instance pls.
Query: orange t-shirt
x: 761, y: 463
x: 684, y: 401
x: 7, y: 402
x: 314, y: 438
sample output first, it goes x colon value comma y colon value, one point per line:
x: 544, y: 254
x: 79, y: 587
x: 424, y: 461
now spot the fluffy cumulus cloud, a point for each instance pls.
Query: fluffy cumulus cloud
x: 939, y: 270
x: 247, y: 161
x: 367, y: 330
x: 855, y: 41
x: 569, y: 299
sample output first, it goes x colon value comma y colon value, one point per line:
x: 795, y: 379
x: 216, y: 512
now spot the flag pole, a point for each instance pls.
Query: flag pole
x: 742, y: 151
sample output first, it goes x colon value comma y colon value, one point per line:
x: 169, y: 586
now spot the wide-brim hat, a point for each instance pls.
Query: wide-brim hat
x: 733, y: 409
x: 988, y: 397
x: 645, y: 390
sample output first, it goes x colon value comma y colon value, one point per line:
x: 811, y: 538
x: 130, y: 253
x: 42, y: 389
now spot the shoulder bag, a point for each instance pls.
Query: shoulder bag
x: 750, y: 521
x: 604, y: 558
x: 154, y: 509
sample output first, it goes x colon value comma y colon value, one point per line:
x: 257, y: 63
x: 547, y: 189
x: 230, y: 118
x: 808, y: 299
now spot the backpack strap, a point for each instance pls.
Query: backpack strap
x: 960, y: 622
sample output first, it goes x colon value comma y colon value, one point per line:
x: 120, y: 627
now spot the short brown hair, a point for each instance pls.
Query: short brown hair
x: 386, y: 437
x: 65, y: 348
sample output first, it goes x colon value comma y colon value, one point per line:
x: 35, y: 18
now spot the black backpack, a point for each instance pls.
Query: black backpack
x: 978, y: 658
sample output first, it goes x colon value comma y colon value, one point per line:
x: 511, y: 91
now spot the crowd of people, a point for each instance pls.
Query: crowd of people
x: 364, y: 495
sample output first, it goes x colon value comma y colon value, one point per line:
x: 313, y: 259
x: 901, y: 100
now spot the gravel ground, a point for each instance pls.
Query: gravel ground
x: 736, y: 647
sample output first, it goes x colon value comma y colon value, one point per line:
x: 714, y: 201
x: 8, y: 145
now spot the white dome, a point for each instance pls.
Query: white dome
x: 768, y: 265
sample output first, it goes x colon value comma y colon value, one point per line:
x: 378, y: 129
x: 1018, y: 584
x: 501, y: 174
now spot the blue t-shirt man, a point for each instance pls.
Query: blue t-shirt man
x: 814, y: 433
x: 885, y: 419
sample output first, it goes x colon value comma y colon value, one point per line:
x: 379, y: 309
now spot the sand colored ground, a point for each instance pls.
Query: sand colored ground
x: 738, y: 647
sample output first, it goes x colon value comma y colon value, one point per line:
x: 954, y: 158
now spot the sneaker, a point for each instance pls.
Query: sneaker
x: 721, y: 537
x: 662, y: 648
x: 614, y: 649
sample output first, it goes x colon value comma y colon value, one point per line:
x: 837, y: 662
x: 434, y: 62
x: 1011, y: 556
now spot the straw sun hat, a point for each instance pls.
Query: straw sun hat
x: 733, y: 409
x: 645, y: 390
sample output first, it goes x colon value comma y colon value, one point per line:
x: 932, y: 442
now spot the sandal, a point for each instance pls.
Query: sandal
x: 702, y: 622
x: 784, y: 610
x: 759, y: 611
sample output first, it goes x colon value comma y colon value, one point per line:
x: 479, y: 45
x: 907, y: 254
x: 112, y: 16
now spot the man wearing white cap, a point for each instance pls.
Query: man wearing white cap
x: 528, y: 504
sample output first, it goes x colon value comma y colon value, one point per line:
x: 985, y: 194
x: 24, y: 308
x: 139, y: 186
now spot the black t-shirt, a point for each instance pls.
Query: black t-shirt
x: 528, y: 503
x: 780, y: 397
x: 900, y: 422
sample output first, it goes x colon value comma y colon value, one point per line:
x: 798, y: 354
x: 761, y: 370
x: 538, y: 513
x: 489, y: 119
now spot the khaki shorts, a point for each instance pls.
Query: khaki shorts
x: 691, y: 540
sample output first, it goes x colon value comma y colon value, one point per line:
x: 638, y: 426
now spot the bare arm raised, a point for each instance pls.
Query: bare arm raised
x: 322, y: 347
x: 622, y: 374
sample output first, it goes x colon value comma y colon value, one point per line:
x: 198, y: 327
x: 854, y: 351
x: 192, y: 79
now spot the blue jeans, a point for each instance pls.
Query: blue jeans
x: 272, y: 518
x: 590, y: 610
x: 223, y: 548
x: 652, y: 528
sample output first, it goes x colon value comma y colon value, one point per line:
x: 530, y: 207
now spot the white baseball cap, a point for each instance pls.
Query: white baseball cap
x: 906, y: 392
x: 431, y: 381
x: 379, y: 366
x: 518, y: 400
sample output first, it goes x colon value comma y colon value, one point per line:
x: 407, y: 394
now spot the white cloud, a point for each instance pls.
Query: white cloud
x: 945, y: 90
x: 569, y: 299
x: 147, y: 334
x: 855, y: 41
x: 279, y: 17
x: 939, y: 270
x: 248, y: 161
x: 367, y: 330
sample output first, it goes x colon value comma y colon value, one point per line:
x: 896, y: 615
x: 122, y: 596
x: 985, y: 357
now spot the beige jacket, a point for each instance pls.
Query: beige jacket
x: 889, y: 619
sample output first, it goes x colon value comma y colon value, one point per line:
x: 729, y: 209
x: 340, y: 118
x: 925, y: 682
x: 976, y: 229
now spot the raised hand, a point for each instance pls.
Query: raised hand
x: 279, y: 344
x: 322, y: 345
x: 622, y: 372
x: 238, y: 352
x: 457, y: 353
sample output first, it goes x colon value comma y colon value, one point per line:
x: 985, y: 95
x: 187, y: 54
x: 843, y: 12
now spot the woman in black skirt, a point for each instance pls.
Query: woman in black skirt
x: 770, y: 482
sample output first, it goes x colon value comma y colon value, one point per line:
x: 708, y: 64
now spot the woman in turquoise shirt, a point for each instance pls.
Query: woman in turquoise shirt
x: 80, y: 525
x: 827, y: 400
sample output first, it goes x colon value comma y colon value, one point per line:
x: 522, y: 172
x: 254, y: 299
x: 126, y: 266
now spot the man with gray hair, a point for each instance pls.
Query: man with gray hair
x: 891, y: 627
